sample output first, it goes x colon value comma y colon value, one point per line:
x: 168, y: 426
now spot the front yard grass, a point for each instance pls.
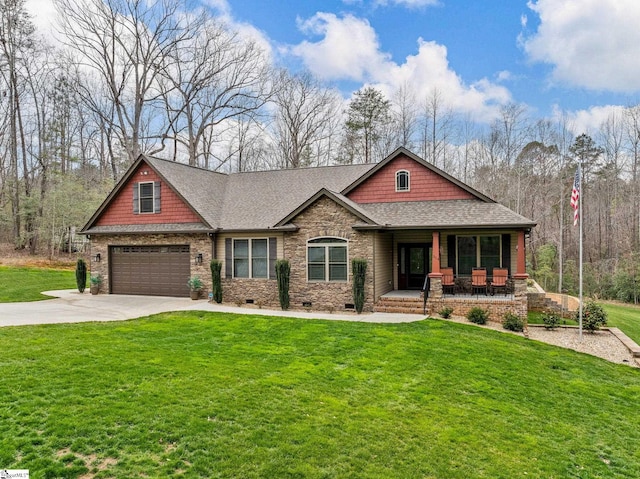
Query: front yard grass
x: 26, y: 284
x: 210, y: 395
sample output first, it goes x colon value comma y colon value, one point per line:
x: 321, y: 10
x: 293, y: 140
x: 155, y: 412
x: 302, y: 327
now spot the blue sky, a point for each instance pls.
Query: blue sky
x: 580, y: 58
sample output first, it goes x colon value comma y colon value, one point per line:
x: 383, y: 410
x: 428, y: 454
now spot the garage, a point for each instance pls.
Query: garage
x: 150, y: 270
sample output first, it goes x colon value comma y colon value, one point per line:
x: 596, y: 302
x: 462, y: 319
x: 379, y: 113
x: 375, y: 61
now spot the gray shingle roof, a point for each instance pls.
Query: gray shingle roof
x: 445, y: 214
x: 267, y: 199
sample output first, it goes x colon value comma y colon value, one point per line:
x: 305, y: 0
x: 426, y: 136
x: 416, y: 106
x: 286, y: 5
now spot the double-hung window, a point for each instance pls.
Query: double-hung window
x: 146, y: 197
x: 327, y: 259
x: 251, y: 258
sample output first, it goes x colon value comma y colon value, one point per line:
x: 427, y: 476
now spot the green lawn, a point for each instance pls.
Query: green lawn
x: 623, y: 316
x: 26, y: 284
x: 200, y: 395
x: 626, y: 317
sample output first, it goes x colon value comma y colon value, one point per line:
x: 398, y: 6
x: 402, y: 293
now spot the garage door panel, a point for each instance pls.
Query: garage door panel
x: 150, y: 270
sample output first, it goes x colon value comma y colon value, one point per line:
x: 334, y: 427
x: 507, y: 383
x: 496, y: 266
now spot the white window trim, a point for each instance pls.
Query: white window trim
x: 342, y: 242
x: 408, y: 181
x: 250, y: 258
x: 153, y: 197
x: 478, y: 256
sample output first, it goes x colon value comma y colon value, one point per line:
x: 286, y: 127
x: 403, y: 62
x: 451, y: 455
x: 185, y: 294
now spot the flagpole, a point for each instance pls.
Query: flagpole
x: 580, y: 201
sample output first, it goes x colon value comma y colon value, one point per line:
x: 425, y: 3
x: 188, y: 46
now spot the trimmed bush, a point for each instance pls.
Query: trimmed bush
x: 216, y: 280
x: 81, y: 275
x: 513, y: 322
x: 593, y: 316
x: 359, y: 270
x: 551, y: 320
x: 283, y: 271
x: 446, y: 312
x: 478, y: 315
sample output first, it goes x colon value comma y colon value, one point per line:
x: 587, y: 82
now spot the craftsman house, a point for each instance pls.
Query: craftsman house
x: 164, y: 221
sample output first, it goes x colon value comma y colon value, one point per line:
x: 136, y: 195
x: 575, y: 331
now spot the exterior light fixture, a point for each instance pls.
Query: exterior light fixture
x: 97, y: 258
x: 198, y: 258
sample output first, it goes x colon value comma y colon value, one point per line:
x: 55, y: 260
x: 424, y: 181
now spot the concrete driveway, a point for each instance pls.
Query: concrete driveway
x: 70, y: 306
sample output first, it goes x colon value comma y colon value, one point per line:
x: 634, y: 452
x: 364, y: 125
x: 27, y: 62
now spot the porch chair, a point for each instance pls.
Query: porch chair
x: 479, y: 281
x: 499, y: 280
x: 448, y: 282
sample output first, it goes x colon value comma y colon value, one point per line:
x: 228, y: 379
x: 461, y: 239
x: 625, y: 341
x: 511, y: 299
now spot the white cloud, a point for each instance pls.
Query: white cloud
x: 587, y: 121
x: 589, y: 43
x: 43, y: 15
x: 409, y: 3
x: 349, y: 50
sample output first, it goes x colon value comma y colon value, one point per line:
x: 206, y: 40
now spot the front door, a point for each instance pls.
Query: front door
x: 413, y: 264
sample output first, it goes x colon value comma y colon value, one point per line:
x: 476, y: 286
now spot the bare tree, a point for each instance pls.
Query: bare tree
x: 123, y: 45
x: 211, y: 76
x: 304, y: 118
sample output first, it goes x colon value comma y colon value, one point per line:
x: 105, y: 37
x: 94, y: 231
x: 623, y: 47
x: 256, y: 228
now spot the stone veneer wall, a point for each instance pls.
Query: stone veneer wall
x: 325, y: 218
x: 496, y: 307
x: 199, y: 243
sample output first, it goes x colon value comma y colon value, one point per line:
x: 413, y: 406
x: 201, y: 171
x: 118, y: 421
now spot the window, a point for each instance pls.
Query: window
x: 402, y: 180
x: 146, y: 197
x: 250, y: 258
x: 478, y: 251
x: 327, y: 259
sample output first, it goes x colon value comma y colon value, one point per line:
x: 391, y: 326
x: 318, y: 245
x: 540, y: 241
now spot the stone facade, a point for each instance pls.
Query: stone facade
x: 199, y: 243
x: 495, y: 305
x: 325, y: 218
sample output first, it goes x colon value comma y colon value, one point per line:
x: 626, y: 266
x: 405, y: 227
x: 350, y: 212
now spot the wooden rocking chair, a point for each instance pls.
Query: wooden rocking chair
x: 448, y: 281
x: 499, y: 280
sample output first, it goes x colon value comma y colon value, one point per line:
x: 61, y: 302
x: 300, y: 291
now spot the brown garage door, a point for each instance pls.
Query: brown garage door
x: 150, y: 270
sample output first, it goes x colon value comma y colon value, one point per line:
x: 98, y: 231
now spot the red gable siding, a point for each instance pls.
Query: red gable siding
x: 424, y: 185
x: 172, y: 208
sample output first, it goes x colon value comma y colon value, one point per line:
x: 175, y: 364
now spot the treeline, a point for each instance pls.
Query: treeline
x: 133, y: 76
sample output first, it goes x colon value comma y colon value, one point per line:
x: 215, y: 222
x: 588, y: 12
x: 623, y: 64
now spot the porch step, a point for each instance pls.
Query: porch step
x: 399, y: 305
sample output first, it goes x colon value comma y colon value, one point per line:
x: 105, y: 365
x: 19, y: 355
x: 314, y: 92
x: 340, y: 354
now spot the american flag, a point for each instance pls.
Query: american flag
x: 575, y: 196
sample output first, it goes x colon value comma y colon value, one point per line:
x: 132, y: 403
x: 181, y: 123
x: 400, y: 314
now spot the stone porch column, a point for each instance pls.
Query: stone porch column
x: 435, y: 291
x: 520, y: 278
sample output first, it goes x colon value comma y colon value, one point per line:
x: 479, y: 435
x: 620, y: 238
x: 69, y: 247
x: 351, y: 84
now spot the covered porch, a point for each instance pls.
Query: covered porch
x: 433, y: 269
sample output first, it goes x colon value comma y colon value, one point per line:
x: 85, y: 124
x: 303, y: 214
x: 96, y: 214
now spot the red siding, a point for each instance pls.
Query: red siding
x: 424, y: 185
x: 172, y: 208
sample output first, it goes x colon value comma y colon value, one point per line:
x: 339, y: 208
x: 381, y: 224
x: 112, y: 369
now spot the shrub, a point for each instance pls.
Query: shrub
x: 195, y: 283
x: 81, y: 275
x: 478, y: 315
x: 359, y: 270
x: 551, y: 320
x: 512, y: 322
x: 446, y: 312
x: 216, y: 280
x: 593, y: 316
x: 283, y: 271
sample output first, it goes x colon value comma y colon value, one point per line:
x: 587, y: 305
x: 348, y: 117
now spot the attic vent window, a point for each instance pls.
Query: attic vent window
x: 402, y: 180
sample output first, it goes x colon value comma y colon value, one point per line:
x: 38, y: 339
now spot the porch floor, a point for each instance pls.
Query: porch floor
x: 402, y: 293
x: 415, y: 294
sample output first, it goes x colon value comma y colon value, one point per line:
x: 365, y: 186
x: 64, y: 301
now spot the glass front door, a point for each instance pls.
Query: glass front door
x: 414, y: 261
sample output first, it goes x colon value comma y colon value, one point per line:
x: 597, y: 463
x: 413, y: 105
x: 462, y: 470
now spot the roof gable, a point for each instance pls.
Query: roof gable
x: 426, y: 182
x: 117, y: 208
x: 341, y: 200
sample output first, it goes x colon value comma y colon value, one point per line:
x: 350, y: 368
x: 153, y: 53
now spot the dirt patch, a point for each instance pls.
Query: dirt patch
x: 91, y: 461
x: 9, y: 256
